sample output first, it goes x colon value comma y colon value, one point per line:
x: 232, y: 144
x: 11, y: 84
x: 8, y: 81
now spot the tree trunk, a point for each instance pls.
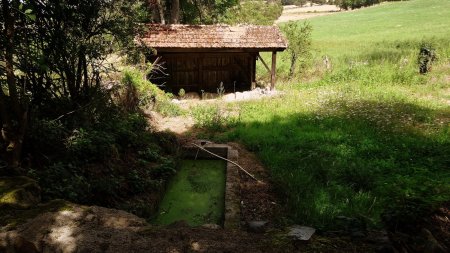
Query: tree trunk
x: 9, y: 51
x: 79, y: 70
x: 293, y: 64
x: 85, y: 74
x: 13, y: 136
x: 160, y: 11
x: 175, y: 13
x: 199, y: 9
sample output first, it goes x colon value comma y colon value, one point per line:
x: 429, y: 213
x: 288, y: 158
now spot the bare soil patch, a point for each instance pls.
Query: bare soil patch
x: 293, y: 13
x: 76, y: 228
x: 258, y: 199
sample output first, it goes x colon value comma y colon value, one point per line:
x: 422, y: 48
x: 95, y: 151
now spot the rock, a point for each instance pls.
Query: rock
x: 19, y: 192
x: 257, y: 226
x: 301, y: 233
x: 90, y: 217
x: 211, y: 226
x: 195, y: 246
x: 431, y: 244
x: 239, y: 96
x: 12, y: 242
x: 229, y: 97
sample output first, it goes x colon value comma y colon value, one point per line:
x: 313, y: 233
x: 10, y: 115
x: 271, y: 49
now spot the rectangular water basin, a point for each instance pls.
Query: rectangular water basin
x: 196, y: 194
x: 204, y: 190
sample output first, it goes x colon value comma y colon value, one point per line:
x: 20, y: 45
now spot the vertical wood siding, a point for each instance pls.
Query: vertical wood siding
x: 205, y: 71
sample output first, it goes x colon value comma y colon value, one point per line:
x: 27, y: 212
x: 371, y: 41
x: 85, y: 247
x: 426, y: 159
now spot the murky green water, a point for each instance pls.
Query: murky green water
x: 196, y: 194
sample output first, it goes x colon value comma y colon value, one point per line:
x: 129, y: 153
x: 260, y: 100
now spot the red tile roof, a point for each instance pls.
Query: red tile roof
x: 215, y: 37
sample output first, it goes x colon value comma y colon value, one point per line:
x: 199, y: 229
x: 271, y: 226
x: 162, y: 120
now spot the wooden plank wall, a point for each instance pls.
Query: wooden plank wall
x: 205, y: 71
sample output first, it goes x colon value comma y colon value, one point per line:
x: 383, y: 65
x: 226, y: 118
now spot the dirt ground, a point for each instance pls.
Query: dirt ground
x: 259, y: 202
x: 74, y: 228
x: 292, y: 12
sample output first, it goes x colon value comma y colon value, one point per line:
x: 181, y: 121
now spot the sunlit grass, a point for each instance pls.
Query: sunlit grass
x: 367, y: 135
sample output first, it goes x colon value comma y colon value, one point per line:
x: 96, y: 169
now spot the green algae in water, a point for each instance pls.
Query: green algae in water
x: 196, y: 194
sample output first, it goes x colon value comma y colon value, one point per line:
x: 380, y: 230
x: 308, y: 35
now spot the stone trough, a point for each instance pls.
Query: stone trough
x: 231, y: 212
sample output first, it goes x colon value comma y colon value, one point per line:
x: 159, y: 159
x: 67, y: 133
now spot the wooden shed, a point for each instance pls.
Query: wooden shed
x: 200, y: 57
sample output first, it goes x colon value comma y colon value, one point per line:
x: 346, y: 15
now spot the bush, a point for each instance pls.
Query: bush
x: 139, y: 93
x: 165, y: 170
x: 98, y: 153
x: 62, y: 180
x: 426, y: 57
x: 299, y: 49
x: 355, y: 4
x: 47, y: 136
x: 89, y: 145
x: 253, y: 12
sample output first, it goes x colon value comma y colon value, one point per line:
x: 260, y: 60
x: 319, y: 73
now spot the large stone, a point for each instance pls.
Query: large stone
x: 211, y: 226
x: 19, y: 192
x: 301, y: 233
x: 14, y: 243
x: 257, y: 226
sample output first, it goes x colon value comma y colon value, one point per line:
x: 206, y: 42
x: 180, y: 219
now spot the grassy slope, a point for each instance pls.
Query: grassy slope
x: 387, y: 22
x: 372, y: 134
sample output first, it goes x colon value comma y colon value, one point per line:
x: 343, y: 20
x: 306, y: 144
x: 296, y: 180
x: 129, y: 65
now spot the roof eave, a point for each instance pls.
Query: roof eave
x: 216, y: 50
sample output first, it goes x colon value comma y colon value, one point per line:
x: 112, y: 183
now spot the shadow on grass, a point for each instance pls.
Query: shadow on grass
x: 355, y: 159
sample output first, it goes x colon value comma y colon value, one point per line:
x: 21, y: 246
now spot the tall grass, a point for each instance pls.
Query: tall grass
x: 338, y: 151
x: 368, y: 135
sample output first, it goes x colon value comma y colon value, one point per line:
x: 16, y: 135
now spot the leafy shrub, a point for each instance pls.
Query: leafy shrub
x: 181, y: 93
x: 299, y: 49
x: 426, y: 57
x: 89, y: 145
x: 47, y: 136
x: 61, y: 180
x: 165, y: 170
x: 253, y: 12
x: 98, y: 154
x: 151, y: 154
x: 106, y: 189
x: 354, y: 4
x: 137, y: 182
x: 129, y: 131
x: 141, y: 93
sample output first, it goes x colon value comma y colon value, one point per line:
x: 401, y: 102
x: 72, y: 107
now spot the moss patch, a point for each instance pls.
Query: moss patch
x: 10, y: 217
x: 19, y: 192
x: 196, y: 194
x: 10, y: 183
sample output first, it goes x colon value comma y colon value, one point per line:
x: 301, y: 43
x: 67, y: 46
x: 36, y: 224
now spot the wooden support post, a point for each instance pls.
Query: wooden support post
x: 273, y: 71
x: 263, y: 62
x: 251, y: 61
x: 200, y: 84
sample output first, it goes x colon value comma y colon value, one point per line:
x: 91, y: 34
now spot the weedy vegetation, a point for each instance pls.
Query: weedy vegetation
x: 359, y: 132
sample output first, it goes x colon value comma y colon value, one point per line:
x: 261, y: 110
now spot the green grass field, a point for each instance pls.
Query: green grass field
x: 369, y: 137
x: 387, y: 32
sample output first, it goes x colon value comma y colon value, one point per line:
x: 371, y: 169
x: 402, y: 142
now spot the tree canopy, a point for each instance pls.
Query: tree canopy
x: 57, y: 50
